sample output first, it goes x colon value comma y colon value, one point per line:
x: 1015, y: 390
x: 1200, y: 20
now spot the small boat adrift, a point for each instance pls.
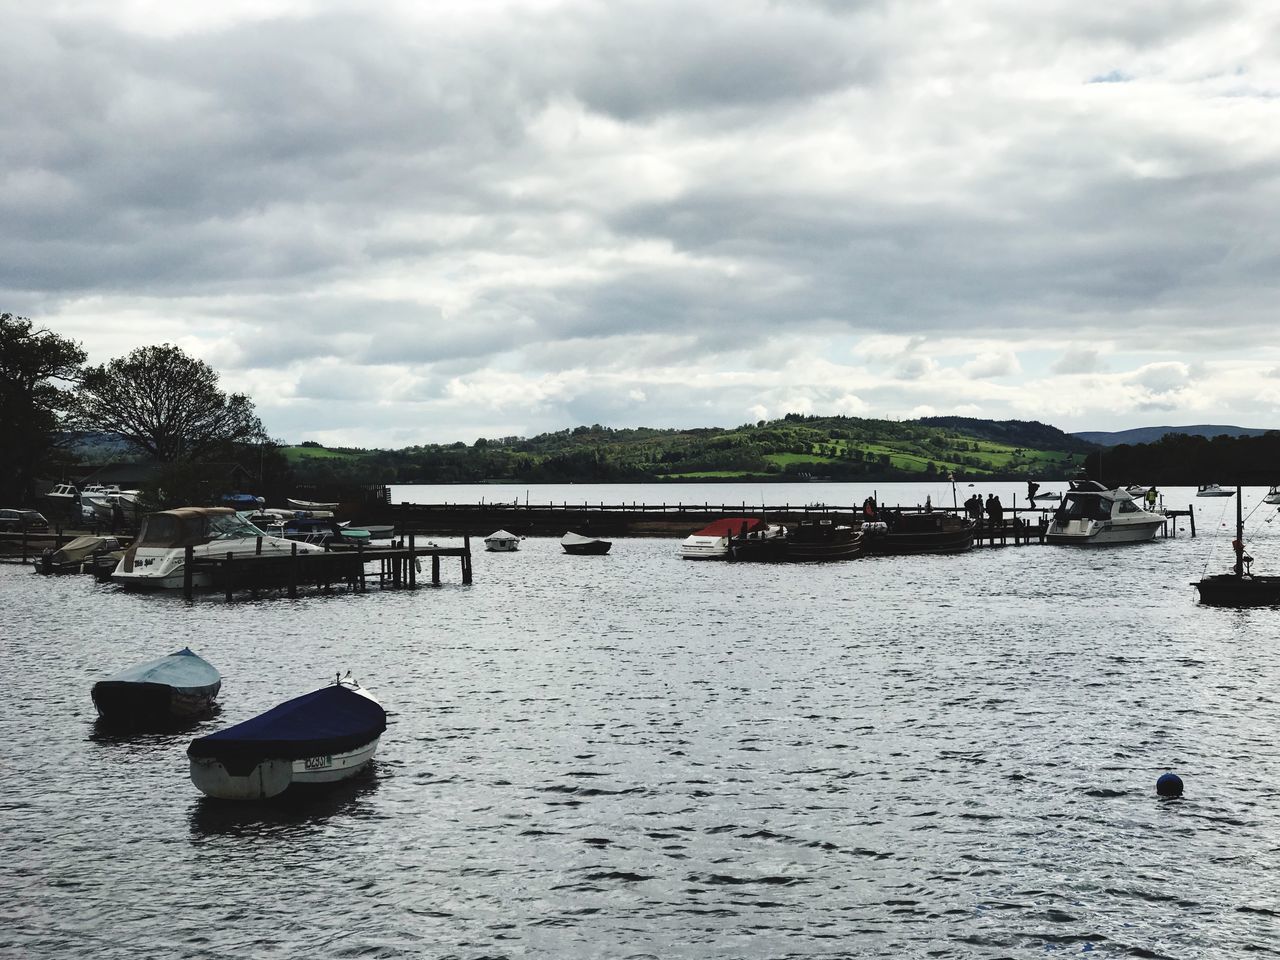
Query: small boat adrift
x: 181, y: 686
x: 322, y: 737
x: 576, y: 543
x: 501, y: 541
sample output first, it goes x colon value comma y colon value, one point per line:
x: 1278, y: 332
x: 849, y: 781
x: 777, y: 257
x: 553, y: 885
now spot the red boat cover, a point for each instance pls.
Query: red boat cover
x: 730, y: 527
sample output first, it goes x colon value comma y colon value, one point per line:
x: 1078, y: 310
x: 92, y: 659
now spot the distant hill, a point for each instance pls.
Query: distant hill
x: 1153, y: 434
x: 1022, y: 433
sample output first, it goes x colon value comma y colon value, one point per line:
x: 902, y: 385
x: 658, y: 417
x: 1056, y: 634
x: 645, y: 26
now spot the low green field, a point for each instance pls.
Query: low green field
x: 294, y: 454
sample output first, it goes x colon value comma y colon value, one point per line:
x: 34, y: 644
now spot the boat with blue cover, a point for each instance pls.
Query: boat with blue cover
x: 322, y: 737
x: 181, y: 686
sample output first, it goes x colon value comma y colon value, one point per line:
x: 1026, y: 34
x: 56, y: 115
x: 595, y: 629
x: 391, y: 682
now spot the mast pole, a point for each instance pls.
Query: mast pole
x: 1239, y: 544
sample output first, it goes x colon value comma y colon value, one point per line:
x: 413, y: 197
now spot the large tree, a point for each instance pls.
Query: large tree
x: 35, y: 365
x: 166, y: 404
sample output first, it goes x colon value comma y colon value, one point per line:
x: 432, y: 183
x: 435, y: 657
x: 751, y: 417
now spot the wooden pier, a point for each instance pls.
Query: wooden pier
x: 1022, y: 525
x: 397, y: 568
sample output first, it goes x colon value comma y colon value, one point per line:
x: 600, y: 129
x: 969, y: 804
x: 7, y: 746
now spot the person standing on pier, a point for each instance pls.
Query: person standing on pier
x: 1032, y: 487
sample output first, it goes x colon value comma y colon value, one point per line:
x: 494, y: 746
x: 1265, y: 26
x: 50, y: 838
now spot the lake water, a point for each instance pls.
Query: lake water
x: 637, y: 756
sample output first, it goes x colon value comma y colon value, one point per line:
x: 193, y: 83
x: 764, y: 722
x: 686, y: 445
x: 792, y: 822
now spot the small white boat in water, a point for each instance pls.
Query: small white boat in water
x: 1213, y: 490
x: 500, y: 541
x: 157, y: 558
x: 309, y: 505
x: 1273, y: 495
x: 576, y: 543
x: 319, y: 738
x: 1091, y: 514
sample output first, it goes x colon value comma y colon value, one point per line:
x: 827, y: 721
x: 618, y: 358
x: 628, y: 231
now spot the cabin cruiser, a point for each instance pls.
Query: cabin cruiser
x: 1213, y: 490
x: 157, y: 557
x: 102, y: 500
x: 1092, y: 514
x: 712, y: 541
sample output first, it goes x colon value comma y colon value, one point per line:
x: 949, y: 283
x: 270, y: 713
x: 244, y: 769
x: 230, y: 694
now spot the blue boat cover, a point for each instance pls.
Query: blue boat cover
x: 333, y: 719
x: 184, y: 671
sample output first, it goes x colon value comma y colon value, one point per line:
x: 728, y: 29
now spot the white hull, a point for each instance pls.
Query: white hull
x: 272, y: 777
x: 1093, y: 533
x: 1221, y: 493
x: 705, y: 551
x: 1272, y: 498
x: 162, y: 568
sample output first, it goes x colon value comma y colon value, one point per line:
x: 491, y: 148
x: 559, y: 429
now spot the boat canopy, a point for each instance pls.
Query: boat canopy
x: 730, y: 527
x: 501, y: 535
x: 185, y: 671
x: 573, y: 539
x: 333, y: 719
x: 192, y: 526
x: 83, y: 547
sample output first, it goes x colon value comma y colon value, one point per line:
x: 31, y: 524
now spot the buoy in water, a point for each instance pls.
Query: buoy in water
x: 1169, y: 785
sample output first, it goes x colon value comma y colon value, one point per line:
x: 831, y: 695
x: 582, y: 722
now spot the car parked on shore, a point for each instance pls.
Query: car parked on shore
x: 15, y: 521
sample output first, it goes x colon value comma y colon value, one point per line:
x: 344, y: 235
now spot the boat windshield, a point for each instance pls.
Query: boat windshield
x: 232, y: 527
x: 1077, y: 506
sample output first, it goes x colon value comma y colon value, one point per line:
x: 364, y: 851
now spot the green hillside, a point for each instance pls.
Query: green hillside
x: 795, y: 447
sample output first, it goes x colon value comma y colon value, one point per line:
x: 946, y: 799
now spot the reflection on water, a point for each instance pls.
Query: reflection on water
x: 947, y: 756
x: 298, y: 812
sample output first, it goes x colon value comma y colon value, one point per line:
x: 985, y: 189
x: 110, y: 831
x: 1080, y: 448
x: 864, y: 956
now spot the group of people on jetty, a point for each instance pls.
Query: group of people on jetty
x: 974, y: 508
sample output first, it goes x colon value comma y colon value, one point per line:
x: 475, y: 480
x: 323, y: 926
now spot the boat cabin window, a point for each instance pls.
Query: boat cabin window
x: 1126, y: 506
x: 1078, y: 507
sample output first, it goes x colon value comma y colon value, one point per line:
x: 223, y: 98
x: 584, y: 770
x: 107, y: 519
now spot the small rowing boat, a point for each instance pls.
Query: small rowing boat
x: 576, y: 543
x: 181, y: 686
x: 322, y: 737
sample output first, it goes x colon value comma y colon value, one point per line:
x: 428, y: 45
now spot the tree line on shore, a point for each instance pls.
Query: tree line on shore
x: 168, y: 408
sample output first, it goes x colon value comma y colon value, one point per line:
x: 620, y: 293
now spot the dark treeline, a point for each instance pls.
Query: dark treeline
x: 1181, y: 460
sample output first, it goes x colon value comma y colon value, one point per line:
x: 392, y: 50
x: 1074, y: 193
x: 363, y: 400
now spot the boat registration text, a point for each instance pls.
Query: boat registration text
x: 318, y: 763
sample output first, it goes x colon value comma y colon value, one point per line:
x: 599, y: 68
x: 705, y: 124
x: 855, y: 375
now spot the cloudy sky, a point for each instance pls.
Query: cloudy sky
x: 408, y: 222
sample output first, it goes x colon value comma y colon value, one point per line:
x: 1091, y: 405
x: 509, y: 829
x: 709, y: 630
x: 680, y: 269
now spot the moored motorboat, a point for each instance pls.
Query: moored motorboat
x: 322, y: 737
x: 1213, y: 490
x: 579, y: 545
x: 1273, y: 495
x: 500, y: 541
x: 157, y: 558
x: 712, y: 541
x: 1092, y: 515
x: 76, y: 556
x: 180, y: 686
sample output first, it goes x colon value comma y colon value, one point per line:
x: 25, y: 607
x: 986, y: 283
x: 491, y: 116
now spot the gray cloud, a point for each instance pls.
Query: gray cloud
x: 651, y: 197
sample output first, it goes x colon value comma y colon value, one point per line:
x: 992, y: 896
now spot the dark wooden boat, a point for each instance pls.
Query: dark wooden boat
x: 824, y: 540
x: 1240, y: 587
x: 919, y: 532
x: 579, y: 545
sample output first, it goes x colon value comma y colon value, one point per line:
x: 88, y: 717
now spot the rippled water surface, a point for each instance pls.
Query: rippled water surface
x: 637, y: 756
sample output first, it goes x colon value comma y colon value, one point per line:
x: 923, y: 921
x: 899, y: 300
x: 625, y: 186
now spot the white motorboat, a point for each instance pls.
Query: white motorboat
x: 157, y: 558
x: 712, y: 541
x: 319, y: 738
x: 1213, y: 490
x: 576, y: 543
x: 102, y: 501
x: 1091, y: 514
x: 500, y: 541
x: 309, y: 505
x: 1273, y: 495
x: 63, y: 495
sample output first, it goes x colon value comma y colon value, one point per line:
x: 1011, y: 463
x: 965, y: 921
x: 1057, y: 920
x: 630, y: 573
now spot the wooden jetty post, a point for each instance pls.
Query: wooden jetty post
x: 188, y: 562
x: 293, y: 569
x: 413, y: 562
x: 466, y: 559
